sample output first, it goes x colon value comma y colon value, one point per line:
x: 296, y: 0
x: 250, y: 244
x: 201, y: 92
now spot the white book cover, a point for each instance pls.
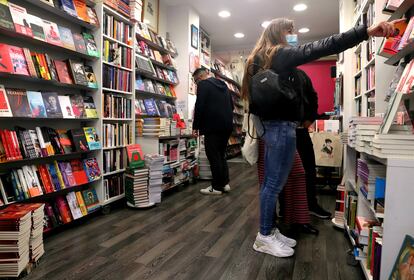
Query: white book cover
x: 20, y: 19
x: 34, y: 169
x: 22, y: 181
x: 35, y: 140
x: 36, y: 24
x: 5, y: 110
x: 66, y: 107
x: 74, y: 205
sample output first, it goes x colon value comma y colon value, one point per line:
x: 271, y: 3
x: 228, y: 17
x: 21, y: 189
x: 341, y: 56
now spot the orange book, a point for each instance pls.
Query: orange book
x: 390, y: 45
x: 81, y: 9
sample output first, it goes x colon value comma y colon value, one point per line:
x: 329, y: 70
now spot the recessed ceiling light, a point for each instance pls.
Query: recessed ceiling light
x: 239, y: 35
x: 300, y: 7
x: 265, y: 24
x: 303, y: 30
x: 224, y: 14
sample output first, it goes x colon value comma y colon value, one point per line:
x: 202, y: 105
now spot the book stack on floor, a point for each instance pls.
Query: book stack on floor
x: 339, y: 220
x: 36, y: 236
x: 367, y: 172
x: 155, y: 165
x: 136, y: 187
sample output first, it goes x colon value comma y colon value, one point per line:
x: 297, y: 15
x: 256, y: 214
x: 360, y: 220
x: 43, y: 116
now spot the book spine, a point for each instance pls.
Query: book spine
x: 59, y: 175
x: 22, y: 181
x: 6, y: 145
x: 18, y: 193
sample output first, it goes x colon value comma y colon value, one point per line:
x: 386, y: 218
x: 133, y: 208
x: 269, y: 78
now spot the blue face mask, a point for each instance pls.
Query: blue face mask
x: 292, y: 39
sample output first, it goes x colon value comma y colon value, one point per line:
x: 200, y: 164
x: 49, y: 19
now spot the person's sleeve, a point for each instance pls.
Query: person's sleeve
x: 313, y: 101
x: 200, y: 104
x: 290, y: 57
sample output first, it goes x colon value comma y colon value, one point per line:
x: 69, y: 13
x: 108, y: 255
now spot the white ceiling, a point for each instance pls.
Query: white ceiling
x: 321, y: 17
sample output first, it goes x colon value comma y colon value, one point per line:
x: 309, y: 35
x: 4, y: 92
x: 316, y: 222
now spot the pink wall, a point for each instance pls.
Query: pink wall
x: 320, y: 74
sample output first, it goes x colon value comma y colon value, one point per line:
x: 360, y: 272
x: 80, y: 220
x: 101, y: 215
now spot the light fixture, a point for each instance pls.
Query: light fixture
x: 224, y: 14
x: 300, y: 7
x: 239, y: 35
x: 303, y: 30
x: 265, y: 23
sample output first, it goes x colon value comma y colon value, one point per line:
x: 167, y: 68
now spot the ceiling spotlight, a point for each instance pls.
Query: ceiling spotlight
x: 304, y: 30
x: 224, y: 14
x: 239, y: 35
x: 265, y: 24
x: 300, y: 7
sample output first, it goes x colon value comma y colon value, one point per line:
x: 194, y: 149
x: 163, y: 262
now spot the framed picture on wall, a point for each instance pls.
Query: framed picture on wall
x: 151, y: 14
x: 194, y: 36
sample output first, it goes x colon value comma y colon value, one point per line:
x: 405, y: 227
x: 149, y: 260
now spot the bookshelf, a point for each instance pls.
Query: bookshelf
x: 363, y: 110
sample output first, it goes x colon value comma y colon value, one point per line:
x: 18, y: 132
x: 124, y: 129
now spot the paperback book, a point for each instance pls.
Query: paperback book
x: 19, y: 103
x: 78, y: 106
x: 6, y: 20
x: 20, y: 19
x: 36, y: 24
x: 79, y: 140
x: 92, y: 169
x: 90, y: 107
x: 91, y: 47
x: 92, y: 138
x: 52, y: 33
x: 18, y: 61
x: 66, y: 38
x: 78, y: 73
x: 90, y: 76
x: 66, y: 107
x: 53, y: 108
x: 36, y: 104
x: 5, y: 110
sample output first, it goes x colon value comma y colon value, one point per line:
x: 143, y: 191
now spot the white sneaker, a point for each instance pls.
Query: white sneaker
x: 227, y: 188
x: 272, y: 246
x: 210, y: 191
x: 288, y: 241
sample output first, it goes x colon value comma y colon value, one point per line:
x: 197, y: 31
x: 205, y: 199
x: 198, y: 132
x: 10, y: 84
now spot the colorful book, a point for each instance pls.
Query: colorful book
x: 90, y: 76
x: 52, y: 33
x: 78, y: 172
x: 90, y: 107
x: 68, y: 7
x: 35, y: 141
x: 66, y: 107
x: 19, y: 103
x: 6, y: 20
x: 30, y: 64
x: 51, y: 101
x: 65, y: 141
x: 79, y: 43
x: 36, y: 104
x: 92, y: 138
x: 390, y: 45
x: 91, y: 200
x: 151, y: 107
x: 5, y: 109
x: 92, y: 169
x: 66, y: 38
x: 74, y: 205
x: 36, y: 24
x: 67, y: 174
x: 77, y: 106
x: 20, y: 19
x: 64, y: 210
x: 78, y: 139
x: 78, y: 72
x: 81, y: 9
x: 81, y: 203
x: 18, y: 61
x: 52, y: 69
x: 5, y: 60
x: 93, y: 18
x: 91, y: 47
x: 63, y: 72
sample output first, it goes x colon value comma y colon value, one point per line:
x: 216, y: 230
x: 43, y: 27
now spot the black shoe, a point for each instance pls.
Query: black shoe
x: 307, y: 228
x: 319, y: 212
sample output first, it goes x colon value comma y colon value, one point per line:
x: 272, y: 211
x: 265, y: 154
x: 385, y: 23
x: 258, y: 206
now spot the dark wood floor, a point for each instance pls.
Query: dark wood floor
x: 190, y: 236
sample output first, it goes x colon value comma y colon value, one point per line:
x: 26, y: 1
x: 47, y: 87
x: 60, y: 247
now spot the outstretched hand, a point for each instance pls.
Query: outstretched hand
x: 383, y: 29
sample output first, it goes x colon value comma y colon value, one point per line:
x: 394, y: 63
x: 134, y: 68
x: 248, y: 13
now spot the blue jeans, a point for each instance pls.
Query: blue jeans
x: 280, y: 147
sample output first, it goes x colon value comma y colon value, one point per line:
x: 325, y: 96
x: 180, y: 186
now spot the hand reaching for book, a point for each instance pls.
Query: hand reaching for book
x: 383, y: 29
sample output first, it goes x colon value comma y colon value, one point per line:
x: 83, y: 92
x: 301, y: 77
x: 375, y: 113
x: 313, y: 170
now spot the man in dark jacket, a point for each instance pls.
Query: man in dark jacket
x: 213, y: 118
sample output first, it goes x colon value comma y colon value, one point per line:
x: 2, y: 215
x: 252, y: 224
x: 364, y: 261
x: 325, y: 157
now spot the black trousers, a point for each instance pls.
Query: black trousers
x: 215, y: 145
x: 304, y: 147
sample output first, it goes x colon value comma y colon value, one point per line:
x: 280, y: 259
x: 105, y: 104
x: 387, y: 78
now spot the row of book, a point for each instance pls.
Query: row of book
x: 113, y: 186
x: 116, y: 79
x: 121, y: 6
x: 34, y: 104
x: 145, y: 65
x: 368, y: 172
x: 370, y: 77
x: 116, y: 29
x: 404, y: 35
x: 65, y: 209
x: 156, y: 127
x: 22, y: 143
x: 145, y: 50
x: 15, y: 18
x: 148, y: 85
x: 117, y: 135
x: 145, y: 32
x: 76, y: 8
x: 117, y: 107
x: 113, y: 160
x: 35, y: 180
x: 117, y: 54
x: 154, y: 108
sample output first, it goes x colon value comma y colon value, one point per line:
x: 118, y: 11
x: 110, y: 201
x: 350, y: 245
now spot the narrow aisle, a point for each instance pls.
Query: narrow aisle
x: 190, y: 236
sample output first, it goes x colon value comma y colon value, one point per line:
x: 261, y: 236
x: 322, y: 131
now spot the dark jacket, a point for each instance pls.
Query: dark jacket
x: 213, y: 111
x: 286, y: 59
x: 310, y: 98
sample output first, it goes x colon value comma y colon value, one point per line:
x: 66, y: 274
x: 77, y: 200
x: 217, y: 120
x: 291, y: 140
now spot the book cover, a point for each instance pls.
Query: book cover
x: 81, y: 203
x: 139, y: 83
x: 49, y: 2
x: 390, y: 45
x: 36, y: 104
x: 36, y: 24
x: 66, y: 170
x: 59, y: 175
x: 93, y: 18
x: 78, y: 172
x: 79, y: 43
x: 64, y: 210
x: 91, y: 200
x: 18, y: 61
x: 81, y: 10
x: 135, y: 153
x: 66, y: 38
x: 5, y: 60
x: 92, y: 138
x: 65, y: 140
x: 52, y: 33
x: 91, y: 47
x: 403, y: 266
x: 30, y: 64
x: 150, y: 107
x: 77, y: 106
x: 78, y: 139
x: 19, y: 103
x: 92, y: 169
x: 35, y: 141
x: 69, y: 7
x: 74, y: 205
x: 66, y: 107
x: 90, y: 107
x: 51, y: 101
x: 6, y: 20
x: 63, y: 72
x: 32, y: 181
x: 78, y: 72
x: 20, y: 19
x: 90, y: 76
x: 5, y: 110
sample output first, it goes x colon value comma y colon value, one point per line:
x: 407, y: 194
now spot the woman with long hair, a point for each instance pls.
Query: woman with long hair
x: 277, y: 49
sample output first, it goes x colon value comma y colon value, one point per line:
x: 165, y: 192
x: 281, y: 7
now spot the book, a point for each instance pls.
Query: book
x: 81, y: 203
x: 91, y: 200
x: 78, y: 72
x: 18, y: 61
x: 19, y: 103
x: 402, y: 268
x: 77, y: 106
x: 69, y: 7
x: 79, y: 43
x: 92, y: 169
x: 92, y: 138
x: 6, y: 20
x: 5, y: 109
x: 90, y: 76
x: 65, y: 141
x: 5, y: 60
x: 390, y: 45
x: 36, y: 104
x: 49, y: 2
x: 74, y: 205
x: 78, y: 139
x: 52, y: 33
x: 91, y: 47
x: 81, y: 10
x: 20, y: 19
x: 64, y: 210
x: 66, y: 107
x: 62, y: 72
x: 78, y: 172
x: 90, y: 107
x: 66, y: 38
x: 51, y: 101
x: 150, y: 107
x: 36, y: 24
x: 93, y: 18
x: 135, y: 154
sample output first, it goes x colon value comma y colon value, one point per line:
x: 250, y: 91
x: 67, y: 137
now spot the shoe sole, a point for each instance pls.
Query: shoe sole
x: 259, y: 249
x: 210, y: 193
x: 320, y: 216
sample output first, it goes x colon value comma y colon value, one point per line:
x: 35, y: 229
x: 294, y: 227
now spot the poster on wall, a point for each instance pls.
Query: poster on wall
x: 194, y: 62
x: 191, y: 85
x: 328, y: 149
x: 194, y: 36
x: 151, y: 14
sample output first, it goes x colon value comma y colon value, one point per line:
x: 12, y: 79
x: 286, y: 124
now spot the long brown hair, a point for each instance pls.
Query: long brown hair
x: 272, y: 38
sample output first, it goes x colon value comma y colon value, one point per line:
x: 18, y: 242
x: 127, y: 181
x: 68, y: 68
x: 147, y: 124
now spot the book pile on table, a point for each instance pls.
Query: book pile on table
x: 155, y: 165
x: 136, y: 187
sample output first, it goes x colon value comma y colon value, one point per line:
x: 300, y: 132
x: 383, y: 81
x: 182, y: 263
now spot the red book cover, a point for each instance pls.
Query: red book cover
x: 20, y: 19
x: 5, y: 60
x: 62, y: 71
x: 18, y: 60
x: 374, y: 236
x: 46, y: 180
x: 5, y: 144
x: 64, y: 210
x: 43, y: 62
x: 10, y: 142
x: 16, y: 143
x: 391, y: 44
x: 78, y: 172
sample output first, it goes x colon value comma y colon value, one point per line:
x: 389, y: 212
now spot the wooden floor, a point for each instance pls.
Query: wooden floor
x: 190, y: 236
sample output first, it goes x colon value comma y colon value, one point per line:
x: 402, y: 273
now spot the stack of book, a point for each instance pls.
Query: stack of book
x: 155, y: 165
x: 153, y: 127
x: 36, y: 236
x: 393, y: 144
x: 204, y: 164
x: 136, y: 187
x: 361, y: 232
x: 339, y: 220
x: 362, y: 130
x: 367, y: 172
